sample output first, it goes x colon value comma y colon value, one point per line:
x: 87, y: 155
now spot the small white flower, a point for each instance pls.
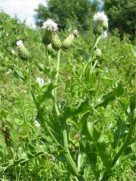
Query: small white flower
x: 19, y: 43
x: 50, y: 25
x: 40, y: 81
x: 37, y: 124
x: 100, y: 16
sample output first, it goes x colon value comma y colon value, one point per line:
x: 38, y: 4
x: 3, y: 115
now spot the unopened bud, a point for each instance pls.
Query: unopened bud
x: 98, y: 52
x: 23, y: 52
x: 105, y: 25
x: 69, y: 40
x: 98, y: 29
x: 56, y: 43
x: 50, y: 49
x: 75, y: 33
x: 47, y: 37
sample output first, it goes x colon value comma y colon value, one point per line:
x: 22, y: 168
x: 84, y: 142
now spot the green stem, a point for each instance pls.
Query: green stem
x: 58, y: 65
x: 93, y: 67
x: 97, y: 41
x: 67, y: 153
x: 53, y: 137
x: 49, y: 58
x: 56, y: 81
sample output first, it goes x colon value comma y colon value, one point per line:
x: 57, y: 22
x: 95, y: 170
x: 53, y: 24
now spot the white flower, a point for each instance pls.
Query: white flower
x: 37, y: 124
x: 19, y: 43
x: 40, y: 81
x: 50, y: 25
x: 100, y: 16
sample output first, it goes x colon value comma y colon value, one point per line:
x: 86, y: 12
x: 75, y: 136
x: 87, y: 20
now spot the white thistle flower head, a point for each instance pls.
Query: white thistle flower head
x: 50, y: 25
x: 19, y: 43
x: 100, y: 17
x: 40, y: 81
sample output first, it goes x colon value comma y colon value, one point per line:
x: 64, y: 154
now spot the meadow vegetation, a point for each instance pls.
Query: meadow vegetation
x: 66, y: 114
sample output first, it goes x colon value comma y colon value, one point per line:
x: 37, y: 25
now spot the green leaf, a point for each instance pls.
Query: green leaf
x: 48, y: 92
x: 43, y: 68
x: 82, y: 122
x: 72, y: 111
x: 133, y: 102
x: 93, y: 132
x: 111, y: 96
x: 89, y: 149
x: 104, y: 154
x: 91, y: 152
x: 133, y: 48
x: 18, y: 75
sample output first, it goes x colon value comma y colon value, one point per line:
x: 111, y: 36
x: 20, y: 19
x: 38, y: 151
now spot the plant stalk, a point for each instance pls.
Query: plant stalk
x: 97, y: 41
x: 67, y: 153
x: 56, y: 81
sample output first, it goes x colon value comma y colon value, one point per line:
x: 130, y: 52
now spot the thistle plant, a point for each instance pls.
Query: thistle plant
x: 52, y: 41
x: 82, y: 122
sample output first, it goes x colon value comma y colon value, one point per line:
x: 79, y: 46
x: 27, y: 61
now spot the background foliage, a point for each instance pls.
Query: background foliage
x: 122, y: 16
x: 67, y: 13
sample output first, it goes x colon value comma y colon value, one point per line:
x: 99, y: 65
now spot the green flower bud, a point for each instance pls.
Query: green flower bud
x: 23, y: 52
x: 98, y: 30
x: 50, y: 49
x: 47, y: 37
x: 69, y: 40
x: 56, y: 43
x: 98, y: 52
x: 105, y: 25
